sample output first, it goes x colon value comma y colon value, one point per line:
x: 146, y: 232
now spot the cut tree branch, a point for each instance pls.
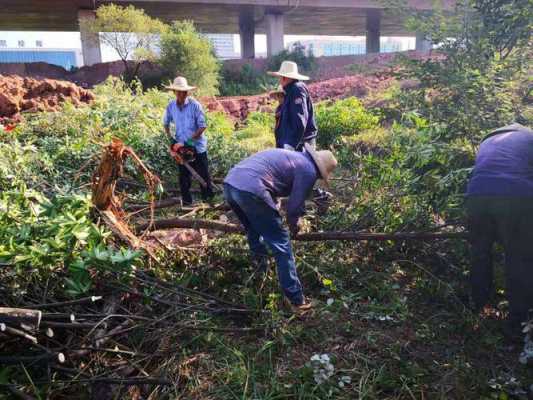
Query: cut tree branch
x: 305, y: 237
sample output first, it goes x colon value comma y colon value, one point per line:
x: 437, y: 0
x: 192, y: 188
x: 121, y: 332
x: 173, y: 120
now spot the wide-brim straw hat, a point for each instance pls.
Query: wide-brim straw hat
x: 180, y: 85
x: 324, y: 160
x: 278, y: 91
x: 289, y: 69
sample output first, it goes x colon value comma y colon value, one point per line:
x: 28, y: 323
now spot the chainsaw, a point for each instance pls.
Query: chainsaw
x: 185, y: 154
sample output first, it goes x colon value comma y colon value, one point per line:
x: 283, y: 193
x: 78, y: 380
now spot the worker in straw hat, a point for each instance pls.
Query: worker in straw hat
x: 251, y: 189
x: 297, y: 121
x: 279, y: 95
x: 189, y: 121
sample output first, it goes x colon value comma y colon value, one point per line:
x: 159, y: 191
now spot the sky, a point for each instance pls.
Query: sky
x: 71, y: 40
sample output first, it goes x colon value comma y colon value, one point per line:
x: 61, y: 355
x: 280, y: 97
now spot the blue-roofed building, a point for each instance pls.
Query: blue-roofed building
x: 66, y: 58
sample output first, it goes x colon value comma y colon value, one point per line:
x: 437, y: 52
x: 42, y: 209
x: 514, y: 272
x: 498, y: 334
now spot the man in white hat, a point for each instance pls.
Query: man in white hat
x: 297, y: 122
x: 251, y: 189
x: 188, y: 117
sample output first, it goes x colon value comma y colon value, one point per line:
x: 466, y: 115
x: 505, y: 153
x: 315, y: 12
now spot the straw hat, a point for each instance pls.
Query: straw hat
x: 180, y: 84
x: 279, y: 91
x: 324, y: 160
x: 289, y: 69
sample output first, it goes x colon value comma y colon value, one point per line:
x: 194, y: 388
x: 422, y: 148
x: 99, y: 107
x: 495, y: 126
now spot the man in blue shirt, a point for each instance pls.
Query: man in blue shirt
x: 189, y: 120
x: 500, y: 208
x: 251, y: 189
x: 297, y: 121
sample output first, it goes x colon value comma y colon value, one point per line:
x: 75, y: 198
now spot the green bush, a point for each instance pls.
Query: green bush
x: 258, y: 132
x: 306, y: 60
x: 342, y: 118
x: 187, y: 53
x: 245, y: 82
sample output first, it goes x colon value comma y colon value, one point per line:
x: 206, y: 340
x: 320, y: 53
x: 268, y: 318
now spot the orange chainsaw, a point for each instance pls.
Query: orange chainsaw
x: 183, y: 155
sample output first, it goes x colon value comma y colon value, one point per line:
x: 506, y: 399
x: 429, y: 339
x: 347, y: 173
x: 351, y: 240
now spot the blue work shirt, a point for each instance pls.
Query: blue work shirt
x: 277, y: 173
x: 187, y: 120
x: 504, y: 164
x: 297, y: 119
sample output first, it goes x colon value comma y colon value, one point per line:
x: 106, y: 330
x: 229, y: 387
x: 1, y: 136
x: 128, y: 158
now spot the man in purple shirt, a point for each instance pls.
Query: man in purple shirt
x: 251, y: 189
x: 500, y: 208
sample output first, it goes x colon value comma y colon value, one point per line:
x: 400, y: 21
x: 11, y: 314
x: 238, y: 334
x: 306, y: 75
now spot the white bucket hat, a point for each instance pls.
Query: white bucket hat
x: 180, y: 84
x: 289, y: 69
x: 324, y: 160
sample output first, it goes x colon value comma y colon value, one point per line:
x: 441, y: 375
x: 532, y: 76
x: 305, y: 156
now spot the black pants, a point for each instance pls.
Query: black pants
x: 200, y: 165
x: 508, y: 220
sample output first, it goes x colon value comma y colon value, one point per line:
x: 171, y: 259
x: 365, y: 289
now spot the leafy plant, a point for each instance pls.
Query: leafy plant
x: 187, y: 53
x: 128, y: 31
x: 345, y: 117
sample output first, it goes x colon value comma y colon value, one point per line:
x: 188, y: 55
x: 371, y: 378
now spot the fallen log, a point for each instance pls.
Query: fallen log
x: 21, y: 317
x: 305, y: 237
x: 191, y: 224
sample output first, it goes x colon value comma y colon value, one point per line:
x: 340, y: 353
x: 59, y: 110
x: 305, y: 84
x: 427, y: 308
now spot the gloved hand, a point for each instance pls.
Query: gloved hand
x: 189, y: 142
x: 174, y: 151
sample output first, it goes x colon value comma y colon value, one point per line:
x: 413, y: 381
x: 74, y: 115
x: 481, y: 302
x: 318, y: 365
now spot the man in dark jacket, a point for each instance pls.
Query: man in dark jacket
x: 251, y: 189
x: 500, y: 208
x: 297, y: 121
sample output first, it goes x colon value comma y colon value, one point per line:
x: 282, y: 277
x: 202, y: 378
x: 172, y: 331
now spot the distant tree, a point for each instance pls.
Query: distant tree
x: 130, y: 32
x: 185, y: 52
x: 484, y: 55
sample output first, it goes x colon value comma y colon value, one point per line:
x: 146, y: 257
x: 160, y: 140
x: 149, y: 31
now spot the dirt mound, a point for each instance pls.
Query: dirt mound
x: 359, y: 86
x: 19, y: 94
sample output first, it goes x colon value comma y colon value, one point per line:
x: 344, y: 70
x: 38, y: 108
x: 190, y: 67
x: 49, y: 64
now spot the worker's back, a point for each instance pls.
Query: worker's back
x: 271, y: 173
x: 504, y: 164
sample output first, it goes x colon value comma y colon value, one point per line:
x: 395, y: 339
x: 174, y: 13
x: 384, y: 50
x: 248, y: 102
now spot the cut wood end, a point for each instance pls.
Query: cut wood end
x: 61, y: 358
x: 96, y: 298
x: 3, y: 327
x: 49, y: 332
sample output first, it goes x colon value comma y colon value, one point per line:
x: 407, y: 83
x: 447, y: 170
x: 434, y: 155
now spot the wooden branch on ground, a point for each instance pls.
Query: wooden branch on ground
x: 84, y: 300
x: 191, y: 224
x: 306, y: 237
x: 165, y: 203
x: 21, y: 317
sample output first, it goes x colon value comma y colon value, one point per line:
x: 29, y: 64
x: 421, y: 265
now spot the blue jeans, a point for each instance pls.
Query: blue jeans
x: 263, y: 222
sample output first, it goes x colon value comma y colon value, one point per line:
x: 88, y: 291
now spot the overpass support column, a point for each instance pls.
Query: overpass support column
x: 247, y: 31
x: 90, y: 42
x: 422, y: 43
x: 275, y: 30
x: 373, y: 23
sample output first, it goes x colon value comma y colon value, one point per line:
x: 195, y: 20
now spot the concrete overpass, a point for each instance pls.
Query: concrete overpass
x: 275, y: 18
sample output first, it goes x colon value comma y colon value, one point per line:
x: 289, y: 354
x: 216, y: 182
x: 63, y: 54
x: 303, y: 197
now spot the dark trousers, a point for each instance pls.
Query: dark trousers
x: 200, y: 165
x: 508, y: 220
x: 263, y: 222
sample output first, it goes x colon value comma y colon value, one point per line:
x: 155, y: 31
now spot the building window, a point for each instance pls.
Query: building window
x: 38, y: 43
x: 3, y: 43
x: 21, y: 43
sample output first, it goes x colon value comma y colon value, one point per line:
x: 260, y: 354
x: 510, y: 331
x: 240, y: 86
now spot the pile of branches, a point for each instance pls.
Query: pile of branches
x: 126, y: 340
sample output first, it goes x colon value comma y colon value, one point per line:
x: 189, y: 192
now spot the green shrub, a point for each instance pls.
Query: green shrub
x: 306, y: 60
x: 342, y: 118
x: 245, y: 82
x: 187, y: 53
x: 258, y: 132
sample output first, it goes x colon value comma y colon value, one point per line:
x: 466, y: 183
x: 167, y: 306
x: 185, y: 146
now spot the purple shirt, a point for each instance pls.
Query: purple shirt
x: 277, y: 173
x: 504, y: 164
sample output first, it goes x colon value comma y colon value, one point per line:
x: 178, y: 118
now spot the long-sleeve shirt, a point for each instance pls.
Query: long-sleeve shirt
x: 277, y: 173
x: 504, y: 164
x: 187, y: 120
x: 297, y: 120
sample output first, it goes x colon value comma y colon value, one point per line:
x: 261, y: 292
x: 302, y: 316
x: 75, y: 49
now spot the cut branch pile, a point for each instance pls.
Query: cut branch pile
x: 129, y: 336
